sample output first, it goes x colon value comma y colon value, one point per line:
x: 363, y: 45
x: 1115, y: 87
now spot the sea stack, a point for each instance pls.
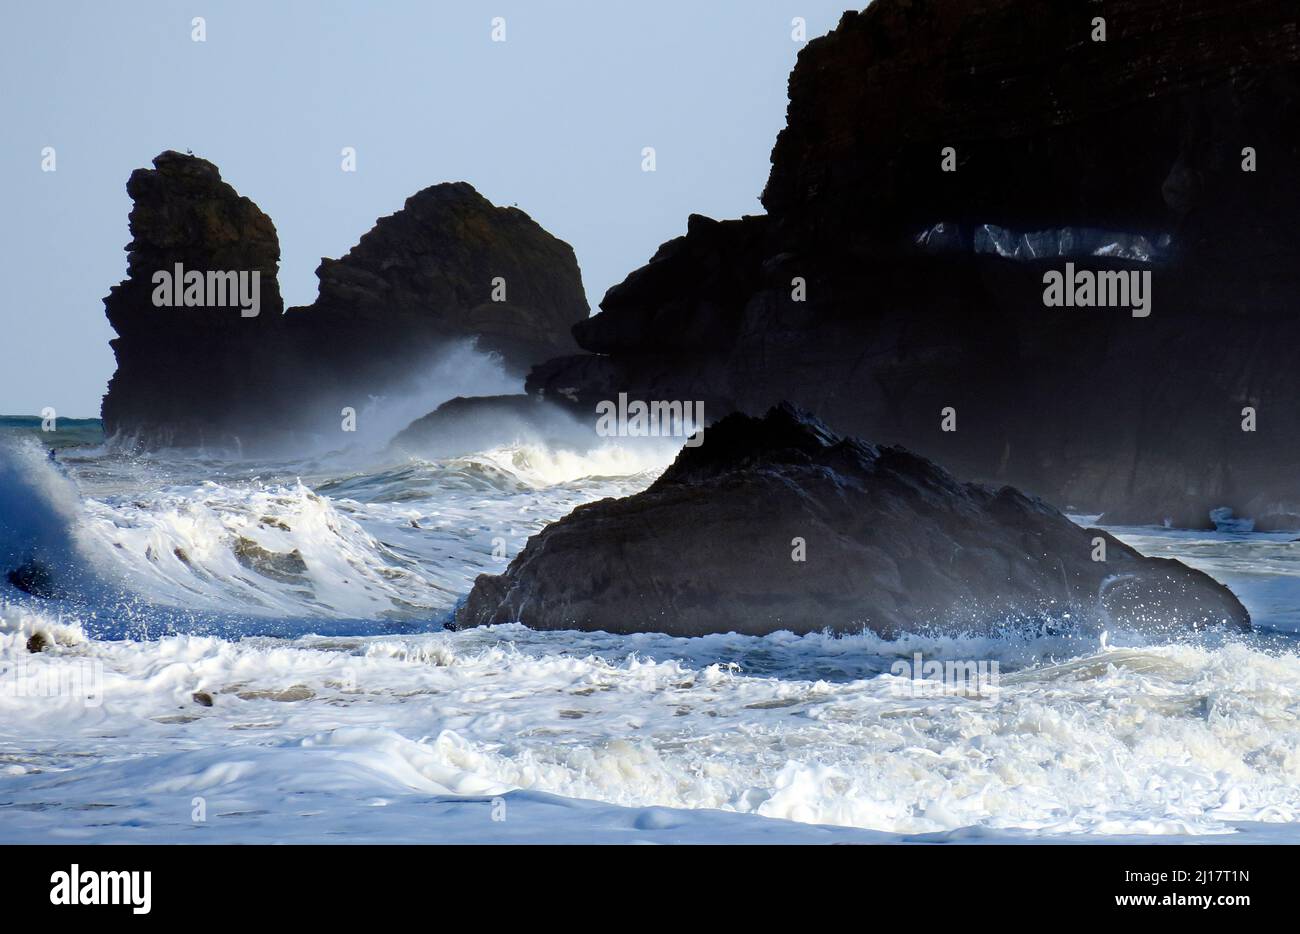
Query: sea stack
x: 190, y: 374
x: 207, y: 354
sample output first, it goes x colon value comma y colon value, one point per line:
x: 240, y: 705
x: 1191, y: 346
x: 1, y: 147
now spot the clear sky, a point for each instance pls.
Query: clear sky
x: 554, y: 120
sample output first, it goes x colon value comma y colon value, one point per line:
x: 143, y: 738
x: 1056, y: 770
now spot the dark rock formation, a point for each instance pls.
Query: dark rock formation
x: 1141, y: 132
x: 191, y: 374
x: 425, y: 275
x: 475, y: 423
x: 420, y: 281
x: 1135, y: 140
x: 893, y: 543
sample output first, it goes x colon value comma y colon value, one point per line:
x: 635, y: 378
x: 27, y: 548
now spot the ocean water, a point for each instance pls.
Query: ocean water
x: 303, y: 599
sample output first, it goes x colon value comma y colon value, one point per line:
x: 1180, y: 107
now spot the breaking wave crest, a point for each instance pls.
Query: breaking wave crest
x: 400, y: 541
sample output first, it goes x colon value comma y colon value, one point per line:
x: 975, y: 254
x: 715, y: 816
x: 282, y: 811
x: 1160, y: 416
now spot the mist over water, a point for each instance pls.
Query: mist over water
x: 460, y: 370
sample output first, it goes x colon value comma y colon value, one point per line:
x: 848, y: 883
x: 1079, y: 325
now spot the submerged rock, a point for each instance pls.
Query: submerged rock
x: 475, y: 423
x: 777, y: 523
x: 33, y: 577
x: 284, y: 566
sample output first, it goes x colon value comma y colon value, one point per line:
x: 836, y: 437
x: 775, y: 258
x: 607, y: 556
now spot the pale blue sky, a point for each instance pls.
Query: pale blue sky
x: 553, y: 120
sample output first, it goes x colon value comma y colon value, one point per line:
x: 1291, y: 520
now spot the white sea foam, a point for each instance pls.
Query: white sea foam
x: 362, y: 723
x: 1181, y: 740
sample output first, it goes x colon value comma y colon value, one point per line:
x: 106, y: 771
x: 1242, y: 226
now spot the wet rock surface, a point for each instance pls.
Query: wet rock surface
x: 777, y: 523
x: 475, y: 423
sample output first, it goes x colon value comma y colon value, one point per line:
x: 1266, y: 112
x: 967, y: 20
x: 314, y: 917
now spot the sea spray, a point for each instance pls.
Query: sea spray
x: 41, y: 548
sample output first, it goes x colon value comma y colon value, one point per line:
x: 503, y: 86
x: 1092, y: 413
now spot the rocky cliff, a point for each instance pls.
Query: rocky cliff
x: 940, y: 158
x: 210, y: 369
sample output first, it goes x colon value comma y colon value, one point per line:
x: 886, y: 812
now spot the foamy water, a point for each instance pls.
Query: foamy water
x: 305, y: 600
